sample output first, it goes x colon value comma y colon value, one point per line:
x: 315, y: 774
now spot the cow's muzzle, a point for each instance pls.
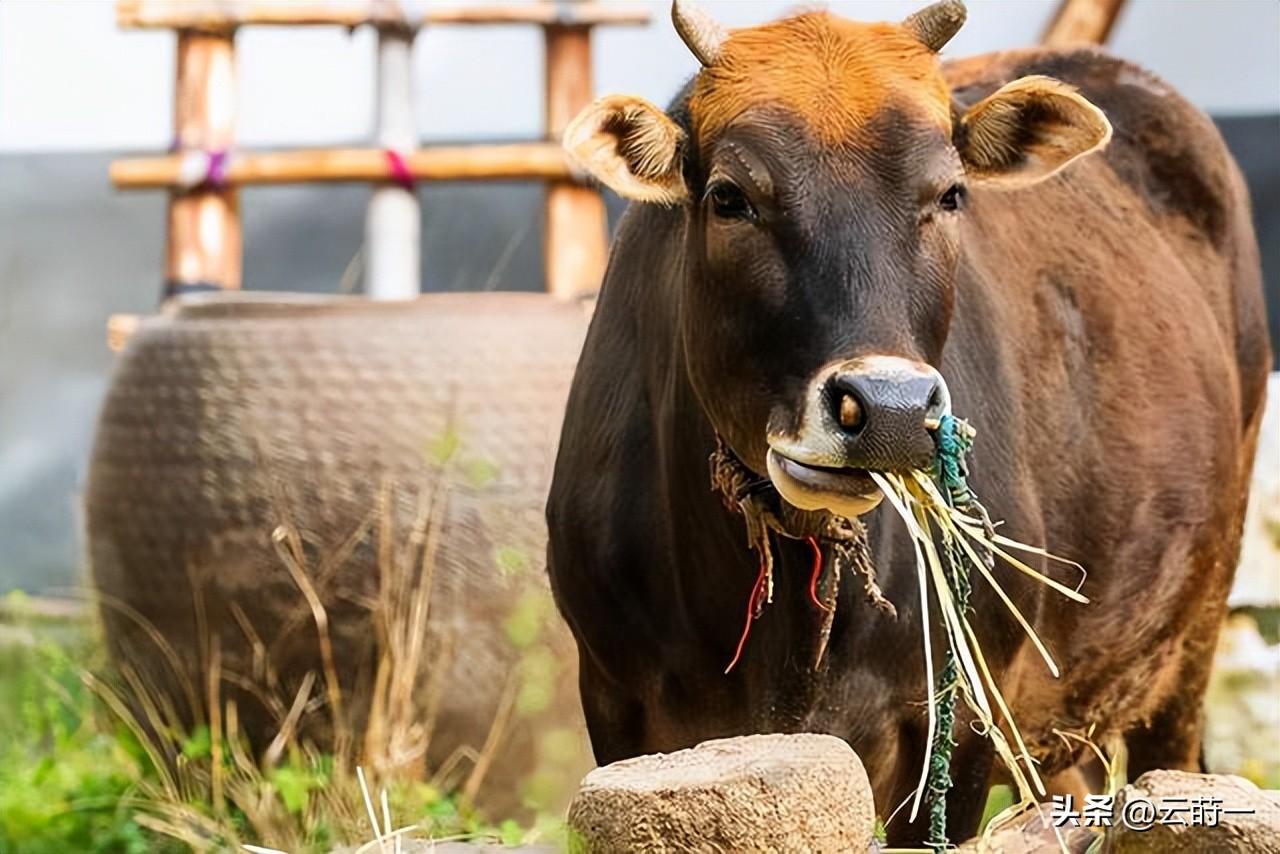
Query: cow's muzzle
x: 875, y: 413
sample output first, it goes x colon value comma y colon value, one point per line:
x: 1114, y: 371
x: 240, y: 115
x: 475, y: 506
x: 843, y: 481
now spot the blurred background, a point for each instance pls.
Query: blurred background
x: 76, y: 91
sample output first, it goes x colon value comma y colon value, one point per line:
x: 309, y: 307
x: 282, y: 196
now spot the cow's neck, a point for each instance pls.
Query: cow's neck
x: 716, y: 567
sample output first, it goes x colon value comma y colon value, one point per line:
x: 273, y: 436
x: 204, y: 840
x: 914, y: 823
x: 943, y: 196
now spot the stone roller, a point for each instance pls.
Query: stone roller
x: 800, y: 792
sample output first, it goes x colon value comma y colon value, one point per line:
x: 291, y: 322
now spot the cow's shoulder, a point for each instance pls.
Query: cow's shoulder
x: 1163, y: 147
x: 1128, y: 89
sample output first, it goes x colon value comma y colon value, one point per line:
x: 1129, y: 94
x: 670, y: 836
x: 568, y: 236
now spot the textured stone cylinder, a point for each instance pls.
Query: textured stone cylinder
x: 802, y: 792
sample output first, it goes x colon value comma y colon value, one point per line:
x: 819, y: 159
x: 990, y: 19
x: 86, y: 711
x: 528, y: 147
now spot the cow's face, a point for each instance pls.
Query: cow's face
x: 824, y: 180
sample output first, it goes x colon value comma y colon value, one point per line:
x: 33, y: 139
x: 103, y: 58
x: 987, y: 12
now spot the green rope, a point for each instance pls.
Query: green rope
x: 950, y: 472
x: 954, y: 438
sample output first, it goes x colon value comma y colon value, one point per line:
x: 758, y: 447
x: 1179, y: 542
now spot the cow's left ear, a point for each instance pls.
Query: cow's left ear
x: 1027, y: 130
x: 632, y: 147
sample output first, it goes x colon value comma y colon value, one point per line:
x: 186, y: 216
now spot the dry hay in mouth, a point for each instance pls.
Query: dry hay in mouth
x: 964, y: 533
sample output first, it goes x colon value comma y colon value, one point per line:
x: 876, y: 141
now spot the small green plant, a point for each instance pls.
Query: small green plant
x: 68, y: 770
x: 999, y: 799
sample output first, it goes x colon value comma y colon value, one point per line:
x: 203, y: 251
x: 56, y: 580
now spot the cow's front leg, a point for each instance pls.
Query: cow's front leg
x: 970, y: 774
x: 615, y: 720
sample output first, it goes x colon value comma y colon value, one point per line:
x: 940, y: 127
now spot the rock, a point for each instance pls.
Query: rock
x: 410, y: 845
x: 1033, y: 834
x: 802, y: 792
x: 1252, y: 826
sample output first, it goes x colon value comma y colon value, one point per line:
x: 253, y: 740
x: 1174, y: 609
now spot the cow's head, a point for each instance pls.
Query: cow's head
x: 823, y: 172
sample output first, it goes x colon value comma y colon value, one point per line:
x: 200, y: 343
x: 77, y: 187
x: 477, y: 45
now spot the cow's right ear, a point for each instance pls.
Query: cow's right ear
x: 632, y: 147
x: 1028, y: 130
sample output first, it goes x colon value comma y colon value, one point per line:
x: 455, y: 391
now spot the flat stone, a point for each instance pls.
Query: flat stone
x: 1032, y: 834
x: 410, y: 845
x: 1253, y: 826
x: 798, y: 792
x: 431, y: 846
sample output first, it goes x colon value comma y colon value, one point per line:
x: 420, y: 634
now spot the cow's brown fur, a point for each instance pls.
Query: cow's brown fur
x: 1136, y: 661
x: 836, y: 74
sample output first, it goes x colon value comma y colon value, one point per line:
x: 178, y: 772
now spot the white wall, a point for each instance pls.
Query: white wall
x: 69, y: 80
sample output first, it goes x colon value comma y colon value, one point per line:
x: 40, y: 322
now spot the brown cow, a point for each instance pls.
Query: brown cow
x: 828, y: 223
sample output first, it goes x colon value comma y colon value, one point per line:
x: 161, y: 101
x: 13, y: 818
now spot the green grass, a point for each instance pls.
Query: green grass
x: 75, y: 777
x: 999, y: 799
x: 66, y: 768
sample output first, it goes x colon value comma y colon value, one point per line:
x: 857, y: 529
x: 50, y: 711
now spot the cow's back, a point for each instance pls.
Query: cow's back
x: 1110, y: 339
x: 1168, y: 159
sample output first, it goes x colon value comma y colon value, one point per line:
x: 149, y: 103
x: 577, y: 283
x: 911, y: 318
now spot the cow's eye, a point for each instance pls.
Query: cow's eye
x: 952, y: 199
x: 729, y: 202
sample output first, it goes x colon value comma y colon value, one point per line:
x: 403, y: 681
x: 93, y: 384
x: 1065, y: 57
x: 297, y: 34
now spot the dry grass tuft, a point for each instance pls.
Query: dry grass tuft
x: 209, y: 793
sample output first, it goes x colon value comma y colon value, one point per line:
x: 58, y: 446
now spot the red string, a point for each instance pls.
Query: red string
x: 757, y: 593
x: 753, y: 609
x: 399, y: 171
x: 815, y: 574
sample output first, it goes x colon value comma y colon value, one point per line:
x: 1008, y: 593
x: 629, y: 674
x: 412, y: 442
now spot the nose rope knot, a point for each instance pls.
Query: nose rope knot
x: 954, y: 437
x: 843, y: 540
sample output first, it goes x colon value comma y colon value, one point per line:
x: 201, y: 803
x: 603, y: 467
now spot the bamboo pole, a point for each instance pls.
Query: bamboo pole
x: 576, y: 239
x: 1079, y: 22
x: 393, y: 226
x: 506, y: 162
x: 221, y: 15
x: 203, y: 249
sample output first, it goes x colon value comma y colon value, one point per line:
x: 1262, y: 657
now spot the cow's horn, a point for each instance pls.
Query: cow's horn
x: 699, y: 30
x: 934, y: 25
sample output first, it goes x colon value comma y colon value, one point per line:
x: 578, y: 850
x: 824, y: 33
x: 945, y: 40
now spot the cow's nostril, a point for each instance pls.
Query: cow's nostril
x: 846, y: 409
x: 847, y: 405
x: 850, y: 412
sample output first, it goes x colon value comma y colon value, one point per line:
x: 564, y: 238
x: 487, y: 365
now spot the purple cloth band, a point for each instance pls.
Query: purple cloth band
x: 217, y: 175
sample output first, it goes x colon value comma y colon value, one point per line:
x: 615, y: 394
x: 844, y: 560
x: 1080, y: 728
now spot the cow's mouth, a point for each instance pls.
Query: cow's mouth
x: 843, y: 491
